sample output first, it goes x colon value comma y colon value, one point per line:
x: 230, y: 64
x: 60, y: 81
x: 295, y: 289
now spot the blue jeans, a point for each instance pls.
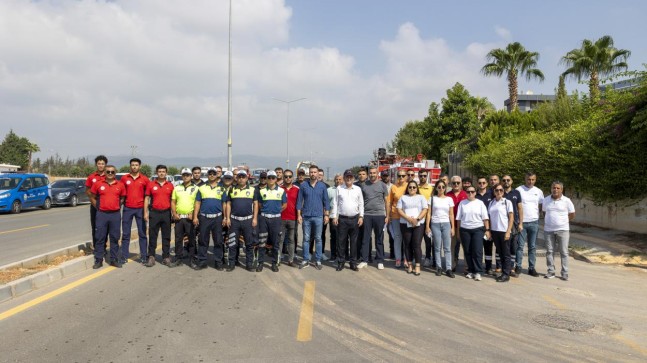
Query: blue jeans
x: 442, y: 233
x: 312, y: 225
x: 529, y: 233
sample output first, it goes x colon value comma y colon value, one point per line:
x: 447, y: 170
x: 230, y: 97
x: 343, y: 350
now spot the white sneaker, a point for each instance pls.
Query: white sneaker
x: 469, y: 276
x: 477, y: 277
x: 427, y: 262
x: 361, y: 265
x: 380, y: 266
x: 324, y: 257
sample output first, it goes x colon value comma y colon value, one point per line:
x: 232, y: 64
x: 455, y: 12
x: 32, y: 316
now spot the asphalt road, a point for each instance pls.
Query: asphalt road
x: 181, y: 315
x: 36, y: 231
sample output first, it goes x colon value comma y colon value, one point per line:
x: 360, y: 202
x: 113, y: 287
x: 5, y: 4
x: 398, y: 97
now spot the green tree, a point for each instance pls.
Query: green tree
x: 514, y: 61
x: 561, y: 88
x: 410, y: 139
x: 146, y: 170
x: 173, y: 170
x: 594, y: 60
x: 125, y: 169
x: 17, y: 150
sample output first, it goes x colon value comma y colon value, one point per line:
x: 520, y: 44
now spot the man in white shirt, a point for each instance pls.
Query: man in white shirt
x: 558, y: 211
x: 347, y: 212
x: 532, y: 199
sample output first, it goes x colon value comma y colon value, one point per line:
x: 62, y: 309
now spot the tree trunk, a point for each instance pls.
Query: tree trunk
x: 594, y: 91
x: 512, y: 90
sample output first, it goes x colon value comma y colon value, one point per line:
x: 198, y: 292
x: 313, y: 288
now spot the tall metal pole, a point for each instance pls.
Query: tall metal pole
x: 287, y: 129
x: 229, y: 150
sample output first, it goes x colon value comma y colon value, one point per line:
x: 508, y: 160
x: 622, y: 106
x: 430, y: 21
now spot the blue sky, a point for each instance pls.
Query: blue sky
x: 103, y: 76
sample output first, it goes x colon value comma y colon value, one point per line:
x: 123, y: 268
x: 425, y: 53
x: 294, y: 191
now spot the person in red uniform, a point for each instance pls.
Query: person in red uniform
x: 135, y: 184
x: 107, y: 196
x: 457, y: 194
x: 289, y: 216
x: 157, y: 212
x: 98, y: 175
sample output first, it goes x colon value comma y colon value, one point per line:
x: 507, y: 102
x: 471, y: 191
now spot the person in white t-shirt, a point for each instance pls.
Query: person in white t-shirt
x: 558, y: 212
x: 501, y: 221
x: 412, y: 207
x: 473, y: 222
x: 441, y: 224
x: 532, y: 199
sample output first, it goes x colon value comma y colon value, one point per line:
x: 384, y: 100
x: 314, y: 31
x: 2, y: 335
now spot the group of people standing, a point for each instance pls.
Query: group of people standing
x: 229, y: 212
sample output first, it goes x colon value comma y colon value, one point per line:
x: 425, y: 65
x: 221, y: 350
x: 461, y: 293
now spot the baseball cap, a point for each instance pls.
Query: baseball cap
x: 348, y: 172
x: 228, y: 174
x: 186, y: 171
x: 271, y: 173
x: 242, y: 172
x: 385, y: 173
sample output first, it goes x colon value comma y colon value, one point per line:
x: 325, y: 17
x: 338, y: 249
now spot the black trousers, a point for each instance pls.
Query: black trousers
x: 210, y: 228
x: 333, y: 240
x: 412, y: 241
x: 93, y: 225
x: 503, y: 247
x: 269, y: 233
x: 241, y: 228
x: 347, y: 232
x: 184, y: 228
x: 159, y: 221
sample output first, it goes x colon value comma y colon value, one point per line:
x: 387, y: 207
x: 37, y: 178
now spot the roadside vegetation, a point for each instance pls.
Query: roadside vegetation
x: 15, y: 273
x: 595, y: 143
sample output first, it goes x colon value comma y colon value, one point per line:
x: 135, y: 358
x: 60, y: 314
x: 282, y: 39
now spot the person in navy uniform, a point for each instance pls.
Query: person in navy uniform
x: 242, y: 219
x: 273, y: 200
x: 208, y: 217
x: 108, y: 196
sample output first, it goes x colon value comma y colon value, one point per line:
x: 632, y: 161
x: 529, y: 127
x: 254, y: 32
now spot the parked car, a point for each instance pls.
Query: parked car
x: 19, y: 191
x: 69, y: 192
x: 119, y: 175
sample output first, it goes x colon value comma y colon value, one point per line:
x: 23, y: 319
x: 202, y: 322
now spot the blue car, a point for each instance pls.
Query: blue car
x: 18, y: 191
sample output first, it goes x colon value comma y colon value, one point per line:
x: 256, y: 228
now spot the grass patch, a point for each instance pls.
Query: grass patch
x: 15, y: 273
x: 576, y: 247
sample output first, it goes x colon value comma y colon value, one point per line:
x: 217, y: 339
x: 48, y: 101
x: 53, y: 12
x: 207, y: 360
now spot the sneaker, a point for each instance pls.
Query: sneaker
x: 303, y: 265
x: 532, y: 272
x: 324, y: 257
x: 469, y: 276
x: 477, y: 277
x: 549, y: 275
x: 565, y: 277
x: 318, y: 265
x: 362, y: 265
x: 427, y: 262
x: 450, y: 273
x: 380, y: 266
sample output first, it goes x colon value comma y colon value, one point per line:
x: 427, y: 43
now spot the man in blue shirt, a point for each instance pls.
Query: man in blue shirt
x: 208, y: 216
x: 273, y: 201
x: 312, y: 205
x: 241, y: 212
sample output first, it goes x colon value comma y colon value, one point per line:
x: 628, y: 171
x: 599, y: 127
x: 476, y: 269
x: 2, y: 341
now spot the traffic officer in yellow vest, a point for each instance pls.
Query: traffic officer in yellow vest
x: 273, y: 201
x: 182, y: 204
x: 242, y: 218
x: 208, y: 219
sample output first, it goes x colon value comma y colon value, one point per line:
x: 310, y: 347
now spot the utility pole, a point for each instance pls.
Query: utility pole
x: 132, y: 150
x: 229, y: 150
x: 287, y: 129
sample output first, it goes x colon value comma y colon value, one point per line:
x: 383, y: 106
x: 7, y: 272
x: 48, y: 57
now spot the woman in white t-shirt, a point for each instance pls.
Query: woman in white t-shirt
x: 442, y: 225
x: 501, y: 221
x: 412, y: 207
x: 472, y: 222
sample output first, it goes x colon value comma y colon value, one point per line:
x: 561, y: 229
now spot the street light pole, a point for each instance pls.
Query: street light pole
x: 229, y: 157
x: 287, y: 128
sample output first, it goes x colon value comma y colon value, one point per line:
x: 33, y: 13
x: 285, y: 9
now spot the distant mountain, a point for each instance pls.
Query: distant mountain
x: 253, y: 161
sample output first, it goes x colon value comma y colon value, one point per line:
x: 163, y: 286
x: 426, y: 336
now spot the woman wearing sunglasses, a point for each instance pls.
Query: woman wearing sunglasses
x: 502, y: 219
x: 441, y: 224
x: 472, y: 222
x: 412, y: 208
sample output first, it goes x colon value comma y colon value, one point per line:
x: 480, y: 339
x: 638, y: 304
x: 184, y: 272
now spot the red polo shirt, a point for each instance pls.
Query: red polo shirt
x: 290, y: 212
x: 93, y: 178
x: 135, y: 190
x: 109, y: 195
x: 457, y: 199
x: 160, y: 193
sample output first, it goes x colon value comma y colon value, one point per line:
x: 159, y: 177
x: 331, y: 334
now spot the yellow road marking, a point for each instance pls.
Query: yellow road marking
x: 53, y: 294
x: 631, y: 344
x: 24, y: 229
x: 304, y: 331
x: 554, y: 302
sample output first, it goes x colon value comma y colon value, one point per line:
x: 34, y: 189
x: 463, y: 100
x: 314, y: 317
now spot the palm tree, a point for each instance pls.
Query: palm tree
x: 513, y: 61
x: 594, y: 60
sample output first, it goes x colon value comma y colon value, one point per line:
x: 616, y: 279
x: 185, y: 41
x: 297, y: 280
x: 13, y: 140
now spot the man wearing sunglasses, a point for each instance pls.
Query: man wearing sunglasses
x: 112, y: 194
x: 458, y: 195
x: 242, y: 218
x: 157, y: 212
x: 397, y: 191
x: 272, y: 201
x: 289, y: 216
x: 208, y: 220
x: 182, y: 205
x: 485, y: 195
x: 514, y: 196
x: 100, y: 174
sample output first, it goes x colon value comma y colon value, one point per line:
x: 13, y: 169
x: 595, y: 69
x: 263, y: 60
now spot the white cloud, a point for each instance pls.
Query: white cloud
x: 503, y: 33
x: 89, y: 77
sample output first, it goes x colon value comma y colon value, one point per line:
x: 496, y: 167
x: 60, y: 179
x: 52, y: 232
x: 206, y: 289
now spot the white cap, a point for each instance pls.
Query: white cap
x: 241, y: 172
x: 228, y: 174
x: 271, y: 173
x: 186, y: 171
